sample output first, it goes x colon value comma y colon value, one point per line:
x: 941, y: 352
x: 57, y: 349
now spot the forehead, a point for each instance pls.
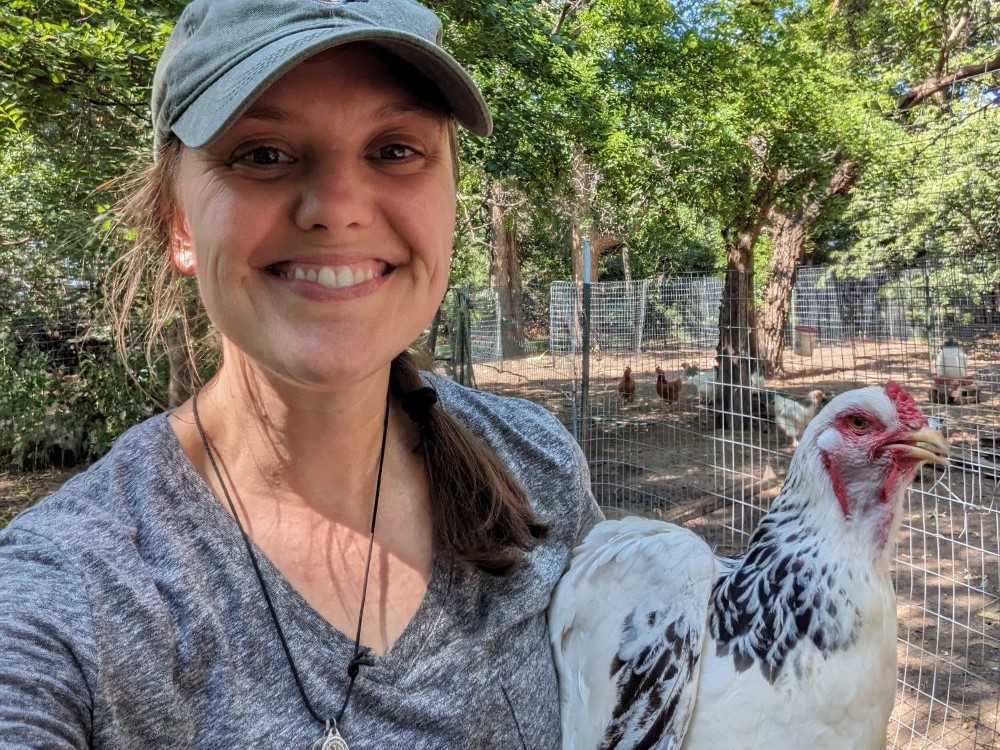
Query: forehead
x: 353, y: 69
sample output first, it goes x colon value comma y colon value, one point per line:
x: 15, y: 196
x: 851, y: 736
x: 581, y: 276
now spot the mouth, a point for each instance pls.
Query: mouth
x: 926, y: 444
x: 331, y: 276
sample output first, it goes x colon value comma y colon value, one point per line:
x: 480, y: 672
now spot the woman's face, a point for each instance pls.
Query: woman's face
x: 320, y: 223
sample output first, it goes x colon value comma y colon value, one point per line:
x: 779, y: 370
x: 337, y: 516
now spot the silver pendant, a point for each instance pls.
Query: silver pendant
x: 333, y: 741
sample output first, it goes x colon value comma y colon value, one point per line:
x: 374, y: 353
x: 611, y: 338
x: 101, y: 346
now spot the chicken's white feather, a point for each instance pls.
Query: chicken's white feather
x: 619, y: 567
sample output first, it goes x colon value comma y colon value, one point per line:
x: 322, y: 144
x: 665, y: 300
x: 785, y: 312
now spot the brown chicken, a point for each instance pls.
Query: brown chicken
x: 668, y: 390
x: 626, y: 386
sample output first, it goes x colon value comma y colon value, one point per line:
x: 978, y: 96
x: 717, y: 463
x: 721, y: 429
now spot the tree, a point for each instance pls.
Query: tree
x: 789, y: 230
x: 73, y: 92
x: 929, y: 193
x: 529, y: 76
x: 505, y: 267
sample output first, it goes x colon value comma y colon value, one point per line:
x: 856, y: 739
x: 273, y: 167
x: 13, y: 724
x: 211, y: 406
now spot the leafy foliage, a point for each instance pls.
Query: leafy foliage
x: 664, y: 125
x: 73, y: 101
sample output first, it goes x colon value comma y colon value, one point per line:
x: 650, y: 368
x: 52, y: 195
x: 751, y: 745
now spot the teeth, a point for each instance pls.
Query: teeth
x: 328, y: 277
x: 332, y: 277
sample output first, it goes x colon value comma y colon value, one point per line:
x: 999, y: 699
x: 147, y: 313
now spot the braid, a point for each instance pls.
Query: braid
x: 478, y: 509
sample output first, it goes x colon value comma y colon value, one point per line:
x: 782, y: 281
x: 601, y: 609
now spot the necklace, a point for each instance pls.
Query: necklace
x: 331, y: 739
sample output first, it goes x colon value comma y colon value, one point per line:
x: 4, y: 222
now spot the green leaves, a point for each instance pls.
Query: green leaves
x: 666, y: 125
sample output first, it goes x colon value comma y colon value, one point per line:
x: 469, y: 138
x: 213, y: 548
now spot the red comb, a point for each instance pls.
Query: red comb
x: 906, y: 407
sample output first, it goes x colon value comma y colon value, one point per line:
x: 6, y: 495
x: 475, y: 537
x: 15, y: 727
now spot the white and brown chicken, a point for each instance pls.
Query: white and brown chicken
x: 662, y: 645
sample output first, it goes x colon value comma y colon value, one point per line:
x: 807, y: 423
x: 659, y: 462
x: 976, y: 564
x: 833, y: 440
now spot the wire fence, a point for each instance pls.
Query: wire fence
x: 674, y: 449
x: 669, y: 452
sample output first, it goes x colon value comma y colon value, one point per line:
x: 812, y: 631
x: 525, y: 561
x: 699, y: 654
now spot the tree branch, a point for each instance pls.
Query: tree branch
x: 568, y: 8
x: 938, y: 83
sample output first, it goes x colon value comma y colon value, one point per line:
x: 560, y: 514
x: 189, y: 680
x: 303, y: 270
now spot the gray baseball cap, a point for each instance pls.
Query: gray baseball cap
x: 223, y: 54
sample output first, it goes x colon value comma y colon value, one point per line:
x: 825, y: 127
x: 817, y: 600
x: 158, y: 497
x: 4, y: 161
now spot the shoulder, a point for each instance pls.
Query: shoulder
x: 536, y: 447
x: 101, y: 508
x: 509, y: 425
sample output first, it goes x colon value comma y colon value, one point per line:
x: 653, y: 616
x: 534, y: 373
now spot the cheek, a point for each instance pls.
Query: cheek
x: 432, y: 228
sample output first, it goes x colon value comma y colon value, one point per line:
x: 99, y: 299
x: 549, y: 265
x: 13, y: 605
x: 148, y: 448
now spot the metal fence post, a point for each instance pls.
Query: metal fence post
x: 585, y: 379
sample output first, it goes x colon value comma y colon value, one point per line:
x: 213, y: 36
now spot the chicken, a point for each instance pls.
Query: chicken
x: 660, y: 644
x: 699, y: 385
x: 626, y: 386
x: 703, y: 385
x: 668, y: 390
x: 792, y: 416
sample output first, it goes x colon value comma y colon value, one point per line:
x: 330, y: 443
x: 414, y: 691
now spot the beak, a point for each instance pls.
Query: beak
x: 926, y: 444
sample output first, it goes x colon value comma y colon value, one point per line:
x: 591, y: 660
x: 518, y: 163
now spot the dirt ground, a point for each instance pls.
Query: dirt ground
x: 672, y: 461
x: 18, y: 491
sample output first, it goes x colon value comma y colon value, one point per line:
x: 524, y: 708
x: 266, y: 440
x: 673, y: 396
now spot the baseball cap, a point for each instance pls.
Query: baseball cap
x: 222, y: 54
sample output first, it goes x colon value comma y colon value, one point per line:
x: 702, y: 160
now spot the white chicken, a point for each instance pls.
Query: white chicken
x: 699, y: 386
x: 661, y: 645
x: 792, y: 416
x: 702, y: 385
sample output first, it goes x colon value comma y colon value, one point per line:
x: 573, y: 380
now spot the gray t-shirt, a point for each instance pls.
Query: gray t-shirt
x: 130, y: 616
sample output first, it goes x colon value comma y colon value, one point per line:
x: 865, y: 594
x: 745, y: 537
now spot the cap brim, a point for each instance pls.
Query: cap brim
x: 228, y: 96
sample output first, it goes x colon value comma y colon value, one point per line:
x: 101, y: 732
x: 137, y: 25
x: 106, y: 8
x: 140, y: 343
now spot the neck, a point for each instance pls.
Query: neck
x: 286, y: 447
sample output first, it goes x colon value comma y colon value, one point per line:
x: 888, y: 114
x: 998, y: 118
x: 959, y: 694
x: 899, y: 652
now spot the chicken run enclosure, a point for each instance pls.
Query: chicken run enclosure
x: 675, y: 459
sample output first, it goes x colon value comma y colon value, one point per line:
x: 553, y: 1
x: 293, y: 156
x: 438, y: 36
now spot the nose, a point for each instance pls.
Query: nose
x: 335, y: 194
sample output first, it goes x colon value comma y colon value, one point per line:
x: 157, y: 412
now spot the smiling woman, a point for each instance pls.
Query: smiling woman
x: 289, y: 196
x: 324, y: 545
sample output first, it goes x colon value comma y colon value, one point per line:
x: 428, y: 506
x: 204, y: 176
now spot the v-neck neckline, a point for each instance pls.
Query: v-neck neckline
x: 294, y: 611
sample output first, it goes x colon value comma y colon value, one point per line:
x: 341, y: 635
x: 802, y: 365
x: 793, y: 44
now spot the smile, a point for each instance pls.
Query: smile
x: 332, y: 277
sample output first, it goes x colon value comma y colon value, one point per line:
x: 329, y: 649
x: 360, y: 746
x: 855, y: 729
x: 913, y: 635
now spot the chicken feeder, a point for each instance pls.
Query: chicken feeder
x: 805, y: 340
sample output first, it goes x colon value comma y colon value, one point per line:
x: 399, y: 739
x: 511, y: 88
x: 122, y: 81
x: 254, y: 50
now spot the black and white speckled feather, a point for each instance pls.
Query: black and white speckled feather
x: 661, y: 645
x: 785, y: 589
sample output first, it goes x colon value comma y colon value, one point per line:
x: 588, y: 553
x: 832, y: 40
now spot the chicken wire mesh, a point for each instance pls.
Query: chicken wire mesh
x: 672, y: 449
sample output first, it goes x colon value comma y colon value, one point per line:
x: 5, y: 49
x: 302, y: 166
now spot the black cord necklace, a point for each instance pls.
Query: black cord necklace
x: 331, y: 739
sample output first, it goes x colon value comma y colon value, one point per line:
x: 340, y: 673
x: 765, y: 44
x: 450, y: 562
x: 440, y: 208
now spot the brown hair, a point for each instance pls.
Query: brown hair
x: 479, y: 510
x: 144, y: 279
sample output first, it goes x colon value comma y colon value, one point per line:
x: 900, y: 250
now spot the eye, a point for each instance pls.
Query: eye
x: 395, y: 152
x: 262, y: 156
x: 858, y: 423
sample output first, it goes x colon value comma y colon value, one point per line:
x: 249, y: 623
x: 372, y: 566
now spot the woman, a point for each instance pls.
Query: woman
x: 324, y: 547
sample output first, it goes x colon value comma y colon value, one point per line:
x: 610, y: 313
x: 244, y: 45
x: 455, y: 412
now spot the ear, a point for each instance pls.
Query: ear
x: 181, y: 250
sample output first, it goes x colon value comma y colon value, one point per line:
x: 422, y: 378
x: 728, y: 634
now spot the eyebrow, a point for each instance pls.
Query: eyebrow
x: 264, y: 112
x: 402, y: 107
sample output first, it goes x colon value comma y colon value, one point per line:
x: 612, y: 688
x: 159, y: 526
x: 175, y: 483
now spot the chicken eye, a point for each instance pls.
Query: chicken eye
x: 858, y: 423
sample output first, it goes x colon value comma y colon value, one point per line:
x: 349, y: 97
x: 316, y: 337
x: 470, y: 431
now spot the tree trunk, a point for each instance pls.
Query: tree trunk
x: 626, y: 263
x: 576, y: 240
x: 776, y: 297
x: 737, y: 357
x: 505, y: 272
x: 790, y: 231
x: 600, y: 243
x: 737, y: 331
